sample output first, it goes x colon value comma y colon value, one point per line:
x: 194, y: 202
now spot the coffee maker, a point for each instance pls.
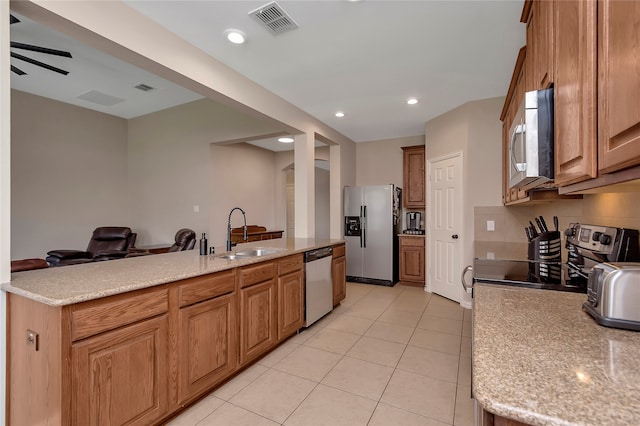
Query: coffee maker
x: 414, y: 220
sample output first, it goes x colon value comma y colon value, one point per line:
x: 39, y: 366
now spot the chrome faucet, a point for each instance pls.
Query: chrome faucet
x: 244, y: 234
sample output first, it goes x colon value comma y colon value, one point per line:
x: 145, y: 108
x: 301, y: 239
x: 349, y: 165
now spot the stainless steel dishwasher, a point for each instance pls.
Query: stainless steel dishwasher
x: 318, y: 284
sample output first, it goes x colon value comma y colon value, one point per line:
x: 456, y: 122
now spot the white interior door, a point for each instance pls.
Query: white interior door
x: 445, y: 227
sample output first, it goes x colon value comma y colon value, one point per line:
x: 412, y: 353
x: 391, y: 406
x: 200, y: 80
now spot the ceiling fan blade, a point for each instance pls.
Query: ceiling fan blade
x: 38, y: 63
x: 13, y: 19
x: 40, y: 49
x: 17, y: 70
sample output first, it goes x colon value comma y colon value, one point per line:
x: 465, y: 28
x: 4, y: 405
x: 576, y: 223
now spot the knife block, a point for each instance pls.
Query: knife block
x: 546, y: 247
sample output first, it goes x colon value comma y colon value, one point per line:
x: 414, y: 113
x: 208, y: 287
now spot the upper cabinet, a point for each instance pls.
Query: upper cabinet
x: 575, y: 91
x: 538, y: 15
x: 618, y: 85
x: 414, y: 191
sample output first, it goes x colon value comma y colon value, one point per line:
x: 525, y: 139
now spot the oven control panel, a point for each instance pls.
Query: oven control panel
x: 592, y: 237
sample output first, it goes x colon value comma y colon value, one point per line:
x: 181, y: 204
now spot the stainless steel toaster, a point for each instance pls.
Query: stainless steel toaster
x: 613, y: 295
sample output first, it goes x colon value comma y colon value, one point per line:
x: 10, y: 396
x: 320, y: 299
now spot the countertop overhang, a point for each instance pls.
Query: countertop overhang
x: 66, y: 285
x: 539, y: 359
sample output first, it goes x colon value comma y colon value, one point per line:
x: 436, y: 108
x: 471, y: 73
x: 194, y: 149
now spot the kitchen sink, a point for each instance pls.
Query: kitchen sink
x: 248, y: 253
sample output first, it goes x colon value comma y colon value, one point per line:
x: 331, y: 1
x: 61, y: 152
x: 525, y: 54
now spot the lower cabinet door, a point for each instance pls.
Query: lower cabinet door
x: 290, y: 304
x: 258, y: 317
x: 208, y: 344
x: 339, y: 276
x: 120, y: 377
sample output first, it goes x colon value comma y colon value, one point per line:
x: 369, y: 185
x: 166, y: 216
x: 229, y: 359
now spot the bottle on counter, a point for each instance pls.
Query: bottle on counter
x: 203, y: 245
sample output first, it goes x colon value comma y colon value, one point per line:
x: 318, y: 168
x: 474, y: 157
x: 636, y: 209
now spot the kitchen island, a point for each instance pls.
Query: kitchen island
x: 539, y: 359
x: 133, y: 341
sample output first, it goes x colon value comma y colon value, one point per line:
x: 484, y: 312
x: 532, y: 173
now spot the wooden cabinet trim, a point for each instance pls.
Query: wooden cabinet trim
x: 198, y: 289
x: 290, y: 264
x: 339, y: 250
x: 94, y: 317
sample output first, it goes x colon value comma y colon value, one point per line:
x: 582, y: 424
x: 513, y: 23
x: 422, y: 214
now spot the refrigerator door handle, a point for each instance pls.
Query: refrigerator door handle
x: 361, y: 227
x: 364, y: 227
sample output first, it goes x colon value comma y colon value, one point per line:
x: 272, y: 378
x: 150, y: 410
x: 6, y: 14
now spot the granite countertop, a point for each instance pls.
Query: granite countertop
x: 539, y: 359
x: 412, y: 235
x: 78, y: 283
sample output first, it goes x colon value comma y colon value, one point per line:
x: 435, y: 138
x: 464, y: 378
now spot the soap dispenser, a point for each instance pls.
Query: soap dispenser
x: 203, y: 245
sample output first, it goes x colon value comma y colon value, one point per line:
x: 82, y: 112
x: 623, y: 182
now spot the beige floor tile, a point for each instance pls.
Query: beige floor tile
x: 230, y: 415
x: 391, y: 332
x: 326, y: 406
x: 308, y: 363
x: 425, y: 362
x: 386, y: 415
x: 421, y: 395
x: 434, y: 340
x: 464, y: 371
x: 466, y: 328
x: 443, y: 325
x: 235, y: 385
x: 351, y: 324
x: 369, y: 308
x: 359, y: 377
x: 377, y: 351
x: 276, y: 355
x: 333, y: 341
x: 438, y: 300
x: 465, y: 347
x: 304, y: 335
x: 326, y: 320
x: 199, y: 411
x: 400, y: 317
x: 355, y: 292
x: 464, y: 410
x: 454, y: 313
x: 274, y: 395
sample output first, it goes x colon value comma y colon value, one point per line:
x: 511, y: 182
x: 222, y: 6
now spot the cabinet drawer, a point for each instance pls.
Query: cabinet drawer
x: 257, y: 274
x: 198, y: 289
x: 412, y: 241
x: 290, y: 264
x: 102, y: 315
x: 339, y: 251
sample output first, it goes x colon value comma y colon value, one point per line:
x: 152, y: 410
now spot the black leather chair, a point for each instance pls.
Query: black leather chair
x: 107, y: 243
x: 185, y: 240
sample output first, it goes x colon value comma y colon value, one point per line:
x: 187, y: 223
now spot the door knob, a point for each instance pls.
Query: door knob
x: 454, y: 236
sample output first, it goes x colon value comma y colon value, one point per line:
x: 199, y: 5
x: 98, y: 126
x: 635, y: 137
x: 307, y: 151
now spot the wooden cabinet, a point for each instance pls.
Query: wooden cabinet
x: 254, y: 233
x: 290, y: 296
x: 339, y: 274
x: 208, y: 337
x: 258, y: 310
x: 412, y: 259
x: 120, y: 377
x: 414, y: 191
x: 575, y: 91
x: 538, y: 15
x: 618, y: 85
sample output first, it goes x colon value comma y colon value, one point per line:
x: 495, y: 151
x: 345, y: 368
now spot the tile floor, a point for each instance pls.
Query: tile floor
x: 387, y: 356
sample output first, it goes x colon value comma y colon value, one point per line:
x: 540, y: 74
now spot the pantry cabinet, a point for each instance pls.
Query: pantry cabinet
x: 618, y: 85
x: 339, y: 274
x: 414, y: 193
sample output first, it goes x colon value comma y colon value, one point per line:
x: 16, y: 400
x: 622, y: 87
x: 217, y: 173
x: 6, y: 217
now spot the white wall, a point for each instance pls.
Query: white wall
x: 69, y: 174
x: 171, y: 169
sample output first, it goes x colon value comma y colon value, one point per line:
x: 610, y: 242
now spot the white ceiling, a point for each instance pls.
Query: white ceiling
x: 364, y: 58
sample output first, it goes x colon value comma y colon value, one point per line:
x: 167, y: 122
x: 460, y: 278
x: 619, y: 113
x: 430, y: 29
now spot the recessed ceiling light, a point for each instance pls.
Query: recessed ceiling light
x: 340, y: 114
x: 285, y: 140
x: 235, y: 36
x: 412, y: 101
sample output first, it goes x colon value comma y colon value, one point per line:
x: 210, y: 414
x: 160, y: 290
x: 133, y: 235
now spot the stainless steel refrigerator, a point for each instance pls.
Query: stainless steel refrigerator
x: 371, y: 227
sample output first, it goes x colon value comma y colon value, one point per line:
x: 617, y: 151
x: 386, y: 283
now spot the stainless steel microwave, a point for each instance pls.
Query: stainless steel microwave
x: 531, y: 141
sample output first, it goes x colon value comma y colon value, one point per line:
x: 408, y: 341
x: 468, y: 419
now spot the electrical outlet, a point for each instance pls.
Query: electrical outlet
x: 33, y: 338
x: 491, y: 225
x: 196, y: 208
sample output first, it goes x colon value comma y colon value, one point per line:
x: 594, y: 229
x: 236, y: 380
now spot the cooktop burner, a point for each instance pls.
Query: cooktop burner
x: 529, y: 274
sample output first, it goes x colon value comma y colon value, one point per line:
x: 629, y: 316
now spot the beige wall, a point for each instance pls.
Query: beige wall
x: 172, y: 169
x: 380, y: 162
x: 67, y: 179
x: 322, y: 179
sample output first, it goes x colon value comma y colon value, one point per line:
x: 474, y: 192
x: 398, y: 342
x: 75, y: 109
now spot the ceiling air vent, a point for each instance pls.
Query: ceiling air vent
x: 274, y: 18
x: 143, y: 87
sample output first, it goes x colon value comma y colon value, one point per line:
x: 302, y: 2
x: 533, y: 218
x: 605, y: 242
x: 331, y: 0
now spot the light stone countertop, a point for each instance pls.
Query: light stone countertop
x: 67, y: 285
x: 538, y: 358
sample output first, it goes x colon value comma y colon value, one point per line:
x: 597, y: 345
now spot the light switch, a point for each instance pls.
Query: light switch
x: 491, y: 225
x: 196, y: 208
